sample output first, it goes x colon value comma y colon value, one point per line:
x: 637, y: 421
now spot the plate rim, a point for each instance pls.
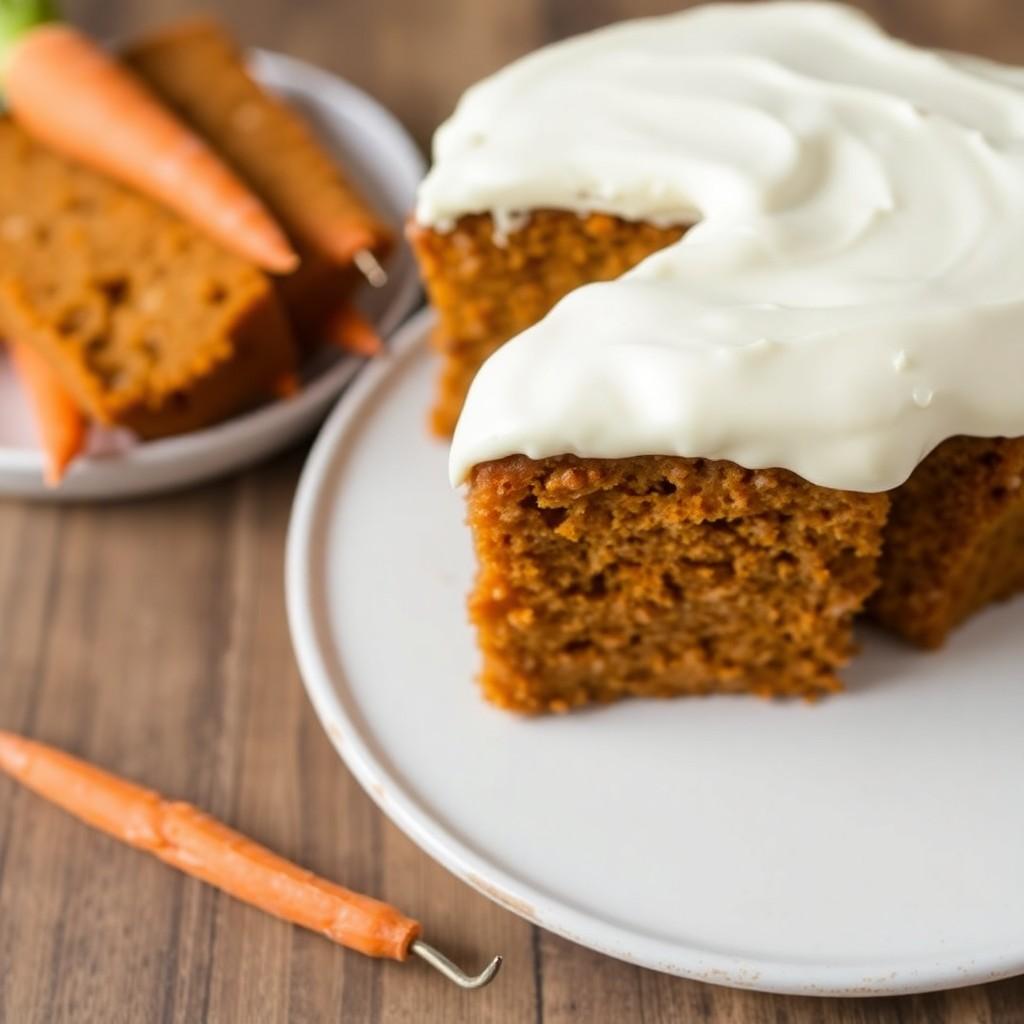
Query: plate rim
x: 311, y: 504
x: 27, y: 464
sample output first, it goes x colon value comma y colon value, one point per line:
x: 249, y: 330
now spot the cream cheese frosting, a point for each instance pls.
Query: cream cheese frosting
x: 852, y: 292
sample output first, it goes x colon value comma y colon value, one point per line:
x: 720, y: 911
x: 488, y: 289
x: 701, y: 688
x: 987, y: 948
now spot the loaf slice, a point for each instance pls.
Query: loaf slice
x: 149, y: 324
x: 201, y: 74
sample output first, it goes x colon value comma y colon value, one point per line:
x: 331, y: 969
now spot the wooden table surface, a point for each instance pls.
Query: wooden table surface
x: 150, y: 637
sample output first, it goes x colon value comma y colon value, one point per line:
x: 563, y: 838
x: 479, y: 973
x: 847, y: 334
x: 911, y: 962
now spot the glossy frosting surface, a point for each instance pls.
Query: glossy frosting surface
x: 852, y: 292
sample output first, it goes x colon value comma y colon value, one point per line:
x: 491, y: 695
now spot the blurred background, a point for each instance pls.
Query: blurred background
x: 417, y: 56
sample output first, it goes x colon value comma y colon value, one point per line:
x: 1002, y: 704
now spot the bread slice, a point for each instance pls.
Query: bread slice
x: 201, y: 74
x: 149, y: 324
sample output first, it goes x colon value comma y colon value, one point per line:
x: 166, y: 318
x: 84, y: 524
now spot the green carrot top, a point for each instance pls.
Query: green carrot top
x: 17, y: 18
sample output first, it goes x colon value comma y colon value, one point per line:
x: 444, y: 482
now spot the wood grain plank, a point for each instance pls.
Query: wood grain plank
x: 580, y: 984
x: 151, y: 637
x: 115, y: 682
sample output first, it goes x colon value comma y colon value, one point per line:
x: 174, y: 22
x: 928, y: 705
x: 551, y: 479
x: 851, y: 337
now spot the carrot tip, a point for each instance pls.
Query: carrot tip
x: 285, y: 261
x: 13, y: 754
x: 58, y: 463
x: 287, y: 385
x: 349, y: 330
x: 61, y: 424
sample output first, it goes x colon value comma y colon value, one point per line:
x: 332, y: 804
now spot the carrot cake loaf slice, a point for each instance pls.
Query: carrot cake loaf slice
x: 149, y: 324
x: 197, y: 69
x: 692, y: 475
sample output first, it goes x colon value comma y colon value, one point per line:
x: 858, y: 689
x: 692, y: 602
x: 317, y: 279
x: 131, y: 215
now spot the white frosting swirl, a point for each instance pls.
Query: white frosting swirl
x: 853, y: 292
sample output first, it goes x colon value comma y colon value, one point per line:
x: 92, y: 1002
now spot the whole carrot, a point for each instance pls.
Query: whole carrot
x: 328, y: 216
x: 62, y: 427
x: 190, y: 840
x: 64, y: 89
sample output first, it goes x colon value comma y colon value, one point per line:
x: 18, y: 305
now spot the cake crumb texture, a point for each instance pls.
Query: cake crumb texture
x: 487, y: 288
x: 149, y: 324
x: 955, y: 538
x: 660, y: 576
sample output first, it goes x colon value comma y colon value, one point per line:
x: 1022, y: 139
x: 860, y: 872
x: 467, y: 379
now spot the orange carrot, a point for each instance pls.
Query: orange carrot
x: 70, y: 94
x: 347, y: 328
x: 328, y: 216
x: 60, y: 422
x: 184, y: 837
x: 288, y: 385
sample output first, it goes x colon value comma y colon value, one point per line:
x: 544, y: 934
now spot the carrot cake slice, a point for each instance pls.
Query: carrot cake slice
x: 758, y: 266
x: 149, y: 324
x: 487, y: 286
x: 197, y: 69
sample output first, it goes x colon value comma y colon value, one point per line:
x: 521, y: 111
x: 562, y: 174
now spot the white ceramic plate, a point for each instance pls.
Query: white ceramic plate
x: 870, y: 843
x: 385, y: 162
